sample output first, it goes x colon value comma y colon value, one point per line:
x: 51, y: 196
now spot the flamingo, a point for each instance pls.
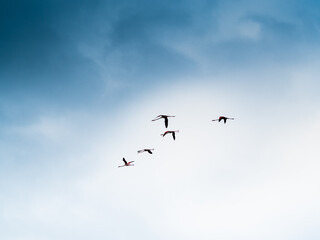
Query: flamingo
x: 172, y: 132
x: 146, y: 150
x: 223, y: 118
x: 126, y: 164
x: 165, y: 119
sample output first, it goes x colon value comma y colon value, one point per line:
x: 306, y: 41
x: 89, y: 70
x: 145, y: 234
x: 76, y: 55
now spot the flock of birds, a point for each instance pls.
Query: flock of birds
x: 173, y: 133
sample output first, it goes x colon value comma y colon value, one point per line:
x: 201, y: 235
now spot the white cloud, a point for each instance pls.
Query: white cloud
x: 244, y: 179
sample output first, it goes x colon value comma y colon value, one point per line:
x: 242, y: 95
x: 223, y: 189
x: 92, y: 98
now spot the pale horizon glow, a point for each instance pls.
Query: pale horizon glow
x: 214, y: 180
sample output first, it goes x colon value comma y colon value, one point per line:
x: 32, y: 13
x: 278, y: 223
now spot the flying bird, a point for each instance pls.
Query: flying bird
x: 165, y: 119
x: 223, y: 118
x: 172, y: 132
x: 149, y: 150
x: 126, y: 164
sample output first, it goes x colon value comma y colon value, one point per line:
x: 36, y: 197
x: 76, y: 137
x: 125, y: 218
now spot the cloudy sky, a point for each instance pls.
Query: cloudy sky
x: 80, y: 82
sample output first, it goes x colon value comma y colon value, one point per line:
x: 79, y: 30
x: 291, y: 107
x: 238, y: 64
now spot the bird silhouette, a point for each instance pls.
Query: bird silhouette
x: 146, y: 150
x: 223, y: 118
x: 172, y: 132
x: 165, y: 119
x: 126, y: 164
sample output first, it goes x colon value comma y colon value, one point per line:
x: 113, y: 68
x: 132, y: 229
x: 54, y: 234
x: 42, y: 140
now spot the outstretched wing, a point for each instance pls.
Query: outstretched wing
x: 157, y: 117
x: 149, y: 151
x: 125, y: 162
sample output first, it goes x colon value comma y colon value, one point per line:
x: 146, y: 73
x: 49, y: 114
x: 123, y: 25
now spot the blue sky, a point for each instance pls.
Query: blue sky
x: 80, y: 82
